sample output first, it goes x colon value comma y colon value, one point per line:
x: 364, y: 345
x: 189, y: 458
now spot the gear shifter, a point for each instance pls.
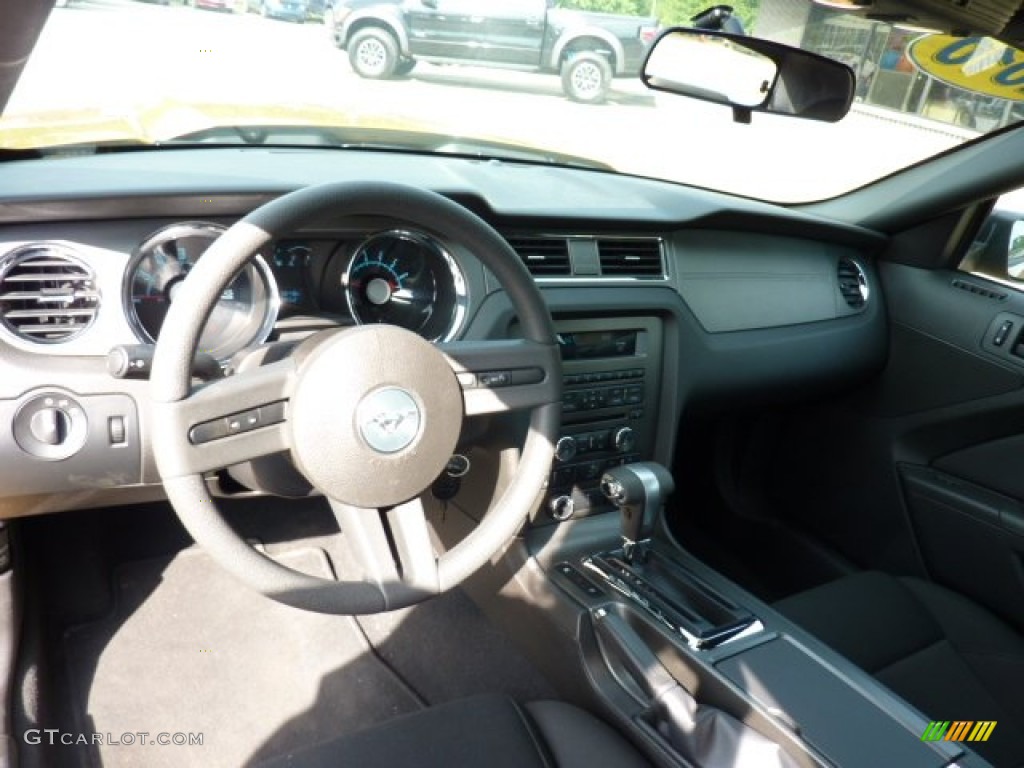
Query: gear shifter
x: 633, y: 489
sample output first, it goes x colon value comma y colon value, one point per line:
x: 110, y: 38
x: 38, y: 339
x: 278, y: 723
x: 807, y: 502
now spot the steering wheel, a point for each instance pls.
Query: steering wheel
x: 369, y: 415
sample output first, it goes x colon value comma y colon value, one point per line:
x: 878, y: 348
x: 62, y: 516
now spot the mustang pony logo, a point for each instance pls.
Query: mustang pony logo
x: 389, y: 421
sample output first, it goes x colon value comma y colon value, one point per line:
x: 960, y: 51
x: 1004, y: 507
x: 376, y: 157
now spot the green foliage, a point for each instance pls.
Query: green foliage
x: 669, y: 12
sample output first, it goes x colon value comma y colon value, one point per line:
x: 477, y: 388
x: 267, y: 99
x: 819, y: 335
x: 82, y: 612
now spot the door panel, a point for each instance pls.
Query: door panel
x: 970, y: 537
x: 488, y: 31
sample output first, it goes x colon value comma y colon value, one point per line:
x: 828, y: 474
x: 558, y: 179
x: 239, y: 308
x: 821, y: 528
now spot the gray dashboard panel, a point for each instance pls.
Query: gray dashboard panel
x: 734, y: 281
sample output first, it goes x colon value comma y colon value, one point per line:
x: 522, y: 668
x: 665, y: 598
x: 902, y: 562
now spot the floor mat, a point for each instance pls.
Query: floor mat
x: 190, y: 650
x: 446, y: 649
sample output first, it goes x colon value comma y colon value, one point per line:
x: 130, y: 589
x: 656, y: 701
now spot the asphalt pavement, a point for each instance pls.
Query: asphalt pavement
x: 183, y: 56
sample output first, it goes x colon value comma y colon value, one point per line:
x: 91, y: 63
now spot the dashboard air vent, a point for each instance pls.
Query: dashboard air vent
x: 630, y: 258
x: 47, y: 295
x: 543, y: 256
x: 853, y: 283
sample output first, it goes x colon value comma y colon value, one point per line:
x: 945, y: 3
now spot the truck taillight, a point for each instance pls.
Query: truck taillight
x: 647, y: 34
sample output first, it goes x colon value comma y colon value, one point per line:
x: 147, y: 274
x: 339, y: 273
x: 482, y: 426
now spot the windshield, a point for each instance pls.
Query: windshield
x: 524, y: 80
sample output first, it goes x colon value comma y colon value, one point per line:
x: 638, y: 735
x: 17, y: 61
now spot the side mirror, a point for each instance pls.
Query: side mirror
x: 749, y: 75
x: 1015, y: 251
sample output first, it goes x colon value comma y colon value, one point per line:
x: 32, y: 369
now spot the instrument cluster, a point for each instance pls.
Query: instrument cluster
x: 395, y: 276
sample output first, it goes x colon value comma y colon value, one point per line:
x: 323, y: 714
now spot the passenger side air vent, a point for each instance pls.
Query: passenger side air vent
x: 47, y: 295
x: 630, y: 258
x: 853, y: 283
x: 543, y: 256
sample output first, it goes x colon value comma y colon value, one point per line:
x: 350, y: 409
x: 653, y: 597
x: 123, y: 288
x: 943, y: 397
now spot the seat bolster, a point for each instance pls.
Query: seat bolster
x: 870, y: 618
x: 480, y: 732
x: 576, y: 739
x: 969, y: 627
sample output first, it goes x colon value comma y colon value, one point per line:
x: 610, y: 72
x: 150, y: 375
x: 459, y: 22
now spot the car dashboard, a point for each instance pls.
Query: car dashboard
x: 664, y: 297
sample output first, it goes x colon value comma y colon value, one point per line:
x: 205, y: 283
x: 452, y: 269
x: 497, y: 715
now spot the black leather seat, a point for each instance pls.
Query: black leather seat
x: 485, y: 731
x: 943, y: 653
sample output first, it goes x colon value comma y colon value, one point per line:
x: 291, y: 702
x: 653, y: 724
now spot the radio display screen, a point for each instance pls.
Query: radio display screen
x: 592, y: 344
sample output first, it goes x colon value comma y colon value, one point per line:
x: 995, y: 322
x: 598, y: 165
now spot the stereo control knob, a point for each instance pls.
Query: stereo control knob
x: 561, y: 507
x: 565, y: 449
x: 624, y: 440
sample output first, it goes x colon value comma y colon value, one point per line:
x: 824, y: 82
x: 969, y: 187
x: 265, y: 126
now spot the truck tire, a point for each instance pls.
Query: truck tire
x: 405, y: 66
x: 373, y: 53
x: 586, y: 77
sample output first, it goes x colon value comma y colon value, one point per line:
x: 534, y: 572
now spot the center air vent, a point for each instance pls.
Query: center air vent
x: 543, y: 256
x: 853, y: 283
x: 630, y: 258
x: 47, y: 295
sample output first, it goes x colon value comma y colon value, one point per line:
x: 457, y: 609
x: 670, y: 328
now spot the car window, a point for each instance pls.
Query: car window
x: 997, y: 250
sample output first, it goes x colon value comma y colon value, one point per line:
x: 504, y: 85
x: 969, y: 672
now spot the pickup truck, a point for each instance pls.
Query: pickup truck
x: 385, y: 38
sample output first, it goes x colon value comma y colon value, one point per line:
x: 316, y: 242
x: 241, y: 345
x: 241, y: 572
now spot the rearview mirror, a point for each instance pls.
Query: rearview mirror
x: 749, y: 74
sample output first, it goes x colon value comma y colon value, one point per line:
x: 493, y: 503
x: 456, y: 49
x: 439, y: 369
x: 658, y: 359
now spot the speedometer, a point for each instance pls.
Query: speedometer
x: 406, y: 279
x: 245, y: 313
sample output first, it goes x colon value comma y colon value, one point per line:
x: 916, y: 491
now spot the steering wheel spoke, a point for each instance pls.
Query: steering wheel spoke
x: 393, y: 548
x: 232, y: 420
x: 507, y: 375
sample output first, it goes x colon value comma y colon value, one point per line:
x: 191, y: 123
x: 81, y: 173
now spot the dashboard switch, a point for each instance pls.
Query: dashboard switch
x: 116, y: 430
x: 49, y: 426
x: 1003, y: 333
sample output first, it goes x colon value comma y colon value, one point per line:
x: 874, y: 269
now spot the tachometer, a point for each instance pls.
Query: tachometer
x: 247, y: 309
x: 406, y: 279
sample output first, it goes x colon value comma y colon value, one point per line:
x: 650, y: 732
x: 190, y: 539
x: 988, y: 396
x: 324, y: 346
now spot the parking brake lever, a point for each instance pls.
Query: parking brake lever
x: 702, y: 734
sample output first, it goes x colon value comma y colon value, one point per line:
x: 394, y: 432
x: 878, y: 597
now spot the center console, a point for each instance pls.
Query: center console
x: 612, y: 375
x: 704, y: 673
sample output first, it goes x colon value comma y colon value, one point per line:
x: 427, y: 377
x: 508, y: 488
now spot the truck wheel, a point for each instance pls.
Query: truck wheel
x: 586, y: 77
x: 373, y: 53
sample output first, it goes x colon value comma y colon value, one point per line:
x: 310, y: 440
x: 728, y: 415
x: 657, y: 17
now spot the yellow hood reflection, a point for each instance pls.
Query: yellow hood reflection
x: 169, y: 119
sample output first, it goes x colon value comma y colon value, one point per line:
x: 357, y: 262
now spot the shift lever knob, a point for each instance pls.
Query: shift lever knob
x: 633, y: 489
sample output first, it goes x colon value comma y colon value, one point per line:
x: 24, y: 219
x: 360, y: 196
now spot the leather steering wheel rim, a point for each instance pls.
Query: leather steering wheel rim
x: 286, y: 388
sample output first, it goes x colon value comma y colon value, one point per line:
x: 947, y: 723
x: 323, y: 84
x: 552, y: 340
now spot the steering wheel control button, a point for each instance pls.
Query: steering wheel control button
x: 494, y: 379
x: 237, y: 423
x: 51, y: 425
x: 389, y: 419
x: 208, y: 431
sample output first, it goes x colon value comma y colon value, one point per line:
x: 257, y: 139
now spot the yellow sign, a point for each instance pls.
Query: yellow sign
x: 978, y: 64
